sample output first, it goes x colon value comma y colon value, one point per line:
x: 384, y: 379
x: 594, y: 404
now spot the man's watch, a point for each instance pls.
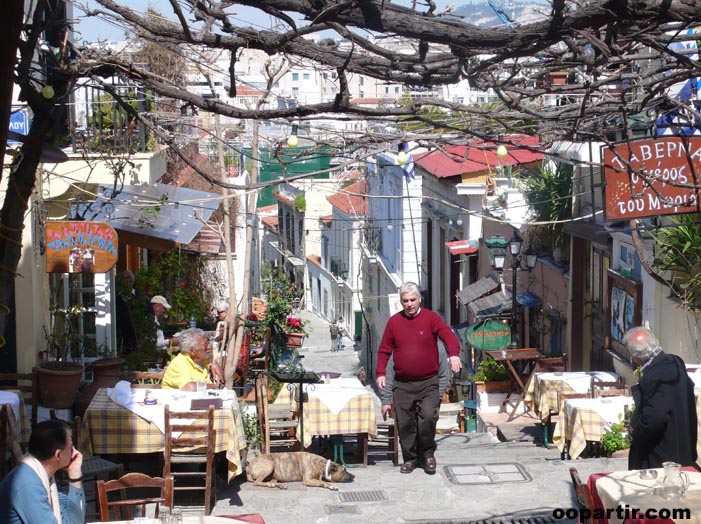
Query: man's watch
x: 79, y: 479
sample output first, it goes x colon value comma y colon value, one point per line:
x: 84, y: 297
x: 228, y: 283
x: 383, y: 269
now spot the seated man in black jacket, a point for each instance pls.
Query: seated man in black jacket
x: 663, y: 425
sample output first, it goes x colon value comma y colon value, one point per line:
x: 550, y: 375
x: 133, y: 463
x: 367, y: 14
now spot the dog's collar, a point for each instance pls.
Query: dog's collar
x: 326, y: 470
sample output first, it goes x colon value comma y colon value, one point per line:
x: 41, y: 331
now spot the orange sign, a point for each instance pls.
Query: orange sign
x: 654, y: 176
x: 75, y: 247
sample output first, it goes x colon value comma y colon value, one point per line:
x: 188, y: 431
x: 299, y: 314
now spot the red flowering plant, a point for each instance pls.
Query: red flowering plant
x: 294, y: 324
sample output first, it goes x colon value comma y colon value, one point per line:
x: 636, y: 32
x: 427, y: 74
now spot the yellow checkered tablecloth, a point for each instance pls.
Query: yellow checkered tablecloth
x: 541, y: 395
x: 357, y: 415
x: 19, y: 430
x: 109, y: 428
x: 582, y: 420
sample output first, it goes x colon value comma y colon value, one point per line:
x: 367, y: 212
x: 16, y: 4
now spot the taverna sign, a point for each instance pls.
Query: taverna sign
x: 80, y: 247
x: 652, y: 176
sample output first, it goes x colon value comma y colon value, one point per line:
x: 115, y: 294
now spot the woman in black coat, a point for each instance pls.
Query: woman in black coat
x: 663, y: 425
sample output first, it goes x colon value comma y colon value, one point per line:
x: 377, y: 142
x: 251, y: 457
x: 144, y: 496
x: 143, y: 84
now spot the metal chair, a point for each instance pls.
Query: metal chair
x: 93, y: 467
x: 585, y: 500
x: 121, y: 508
x: 190, y: 439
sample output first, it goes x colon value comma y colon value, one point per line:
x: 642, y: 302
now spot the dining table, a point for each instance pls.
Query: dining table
x: 114, y: 425
x: 19, y: 421
x: 587, y: 419
x: 542, y: 392
x: 339, y: 406
x: 516, y: 360
x: 628, y: 490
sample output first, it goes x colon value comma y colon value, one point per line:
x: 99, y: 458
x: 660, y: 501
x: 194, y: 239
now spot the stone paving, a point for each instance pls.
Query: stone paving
x: 478, y: 477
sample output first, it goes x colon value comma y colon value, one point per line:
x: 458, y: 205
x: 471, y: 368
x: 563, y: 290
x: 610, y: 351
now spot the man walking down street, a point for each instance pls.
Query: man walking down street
x: 410, y: 338
x: 333, y: 332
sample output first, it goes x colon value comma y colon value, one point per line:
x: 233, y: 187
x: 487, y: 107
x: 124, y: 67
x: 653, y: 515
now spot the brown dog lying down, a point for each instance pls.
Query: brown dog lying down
x: 315, y: 471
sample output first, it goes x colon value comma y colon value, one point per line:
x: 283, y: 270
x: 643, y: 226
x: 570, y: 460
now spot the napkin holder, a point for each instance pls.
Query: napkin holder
x: 198, y: 404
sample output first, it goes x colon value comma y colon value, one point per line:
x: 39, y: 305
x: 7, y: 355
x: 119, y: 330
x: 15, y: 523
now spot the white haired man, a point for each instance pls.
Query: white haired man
x: 193, y: 364
x: 410, y: 337
x: 663, y: 425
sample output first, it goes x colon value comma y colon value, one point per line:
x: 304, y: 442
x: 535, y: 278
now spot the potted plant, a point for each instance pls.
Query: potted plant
x: 58, y: 373
x: 492, y: 377
x: 615, y: 441
x: 294, y: 329
x: 250, y: 430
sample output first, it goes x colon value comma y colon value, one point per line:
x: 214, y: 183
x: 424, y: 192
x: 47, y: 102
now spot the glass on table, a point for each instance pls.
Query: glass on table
x: 176, y: 516
x: 201, y: 387
x: 164, y: 514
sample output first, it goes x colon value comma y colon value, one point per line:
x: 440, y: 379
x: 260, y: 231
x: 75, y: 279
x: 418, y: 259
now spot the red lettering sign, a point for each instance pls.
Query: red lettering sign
x: 654, y: 176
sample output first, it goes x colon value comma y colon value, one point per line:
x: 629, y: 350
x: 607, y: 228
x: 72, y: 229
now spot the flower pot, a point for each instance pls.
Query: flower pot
x: 106, y: 373
x: 493, y: 386
x: 58, y: 383
x: 295, y: 339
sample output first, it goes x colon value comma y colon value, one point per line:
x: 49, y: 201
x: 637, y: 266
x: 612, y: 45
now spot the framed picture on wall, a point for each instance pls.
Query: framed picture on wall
x: 624, y: 309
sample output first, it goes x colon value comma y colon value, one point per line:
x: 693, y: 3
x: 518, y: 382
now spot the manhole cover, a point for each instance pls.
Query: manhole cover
x: 342, y: 510
x: 363, y: 496
x: 487, y: 473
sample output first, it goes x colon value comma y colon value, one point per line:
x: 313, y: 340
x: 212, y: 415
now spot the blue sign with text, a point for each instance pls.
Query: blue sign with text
x: 19, y: 123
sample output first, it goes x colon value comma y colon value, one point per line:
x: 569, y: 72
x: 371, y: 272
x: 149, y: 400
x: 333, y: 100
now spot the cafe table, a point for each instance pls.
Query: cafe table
x: 626, y: 489
x: 343, y: 406
x: 20, y: 425
x: 524, y: 358
x: 587, y: 419
x: 542, y: 392
x: 109, y: 427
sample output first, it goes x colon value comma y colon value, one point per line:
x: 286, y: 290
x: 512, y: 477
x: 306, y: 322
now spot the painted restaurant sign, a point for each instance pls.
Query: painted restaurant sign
x: 652, y: 176
x: 488, y: 335
x: 75, y: 247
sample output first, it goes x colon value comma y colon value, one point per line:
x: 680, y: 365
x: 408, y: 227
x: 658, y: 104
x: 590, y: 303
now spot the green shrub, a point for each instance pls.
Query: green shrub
x: 489, y: 370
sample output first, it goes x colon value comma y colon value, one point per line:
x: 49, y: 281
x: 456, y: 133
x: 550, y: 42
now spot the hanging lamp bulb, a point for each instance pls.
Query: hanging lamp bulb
x: 47, y: 91
x: 502, y: 151
x: 402, y: 158
x: 293, y: 140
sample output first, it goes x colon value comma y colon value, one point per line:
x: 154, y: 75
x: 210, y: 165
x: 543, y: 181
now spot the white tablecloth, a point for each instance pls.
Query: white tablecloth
x: 337, y: 393
x: 579, y: 381
x: 8, y: 397
x: 622, y: 488
x: 610, y: 409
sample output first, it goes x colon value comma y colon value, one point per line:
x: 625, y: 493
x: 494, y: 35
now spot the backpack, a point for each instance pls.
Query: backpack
x: 333, y: 329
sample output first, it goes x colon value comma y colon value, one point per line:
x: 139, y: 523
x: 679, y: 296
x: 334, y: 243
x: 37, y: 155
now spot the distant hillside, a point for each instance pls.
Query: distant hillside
x: 482, y: 14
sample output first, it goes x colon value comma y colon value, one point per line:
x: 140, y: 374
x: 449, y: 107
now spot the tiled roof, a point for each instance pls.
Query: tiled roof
x: 326, y: 220
x: 351, y: 200
x: 270, y: 222
x: 477, y: 158
x: 314, y: 259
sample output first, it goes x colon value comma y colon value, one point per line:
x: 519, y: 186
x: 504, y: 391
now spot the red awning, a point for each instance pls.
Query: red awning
x: 461, y: 247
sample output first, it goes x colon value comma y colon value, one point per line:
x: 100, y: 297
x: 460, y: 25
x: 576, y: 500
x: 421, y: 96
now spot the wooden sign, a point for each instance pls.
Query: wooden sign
x: 654, y: 176
x: 75, y: 247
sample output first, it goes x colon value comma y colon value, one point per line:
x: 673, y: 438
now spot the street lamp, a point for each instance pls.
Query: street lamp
x: 497, y: 252
x: 515, y: 244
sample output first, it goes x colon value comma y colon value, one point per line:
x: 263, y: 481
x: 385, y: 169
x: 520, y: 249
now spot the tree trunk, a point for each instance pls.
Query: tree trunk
x: 9, y: 235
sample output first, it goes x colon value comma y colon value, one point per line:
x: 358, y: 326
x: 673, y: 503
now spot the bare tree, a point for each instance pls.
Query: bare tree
x: 616, y: 55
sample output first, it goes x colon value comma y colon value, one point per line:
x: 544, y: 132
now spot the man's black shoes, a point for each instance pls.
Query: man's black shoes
x: 408, y: 467
x: 430, y: 465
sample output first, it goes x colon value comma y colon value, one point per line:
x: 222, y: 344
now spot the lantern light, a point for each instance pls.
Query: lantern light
x: 47, y: 91
x: 502, y: 151
x: 293, y: 139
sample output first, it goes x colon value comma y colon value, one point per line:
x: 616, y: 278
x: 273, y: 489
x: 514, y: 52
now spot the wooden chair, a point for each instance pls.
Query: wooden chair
x: 385, y: 444
x: 145, y: 379
x: 277, y: 423
x: 121, y: 507
x: 194, y: 449
x: 28, y: 385
x: 5, y: 453
x: 585, y: 500
x: 451, y: 418
x: 611, y: 392
x: 550, y: 364
x: 600, y: 385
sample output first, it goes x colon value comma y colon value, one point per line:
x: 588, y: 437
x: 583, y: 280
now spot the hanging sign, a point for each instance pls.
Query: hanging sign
x: 76, y: 247
x: 652, y: 176
x: 488, y: 335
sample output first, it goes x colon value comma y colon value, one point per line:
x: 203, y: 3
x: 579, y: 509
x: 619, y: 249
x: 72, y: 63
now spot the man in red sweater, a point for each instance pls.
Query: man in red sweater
x: 410, y: 336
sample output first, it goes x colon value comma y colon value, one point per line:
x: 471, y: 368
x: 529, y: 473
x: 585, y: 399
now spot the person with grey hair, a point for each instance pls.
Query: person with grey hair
x: 663, y: 426
x: 410, y: 339
x: 193, y: 364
